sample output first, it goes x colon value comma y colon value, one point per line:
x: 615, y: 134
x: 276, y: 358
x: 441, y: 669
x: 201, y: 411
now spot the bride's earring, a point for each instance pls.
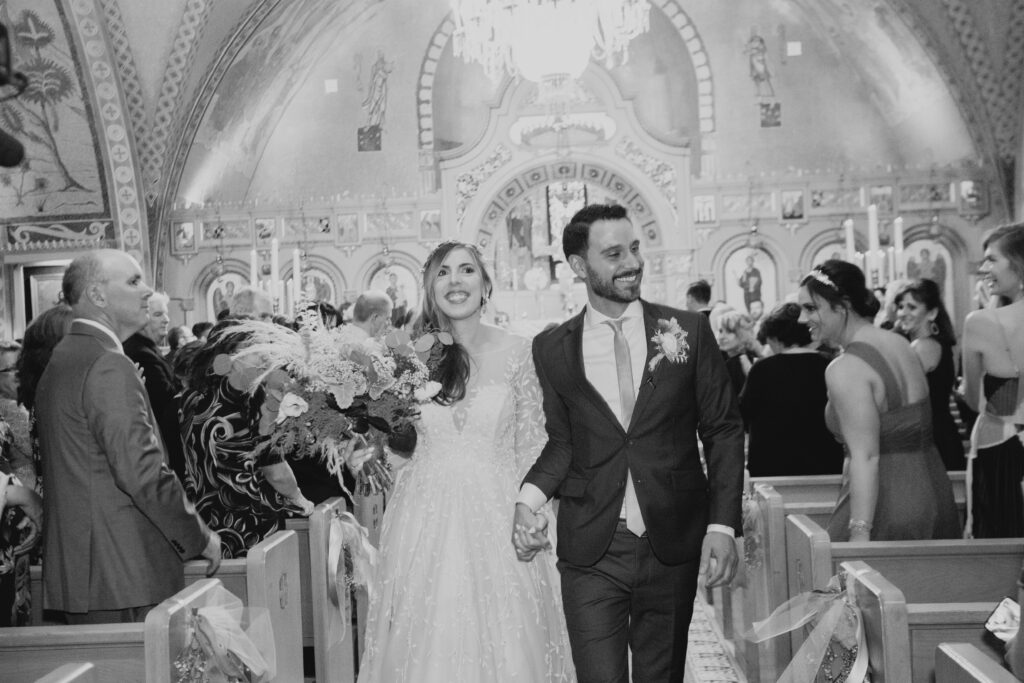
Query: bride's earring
x: 483, y: 305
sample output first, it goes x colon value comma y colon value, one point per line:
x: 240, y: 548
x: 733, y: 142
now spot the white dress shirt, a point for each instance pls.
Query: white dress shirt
x: 602, y: 373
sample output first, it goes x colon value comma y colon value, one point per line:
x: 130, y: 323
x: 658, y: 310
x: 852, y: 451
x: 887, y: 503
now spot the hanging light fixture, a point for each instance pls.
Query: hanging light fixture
x: 537, y: 39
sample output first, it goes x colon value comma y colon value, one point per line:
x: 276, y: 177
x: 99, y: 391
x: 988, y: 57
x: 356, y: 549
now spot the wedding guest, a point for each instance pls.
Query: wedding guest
x: 243, y: 490
x: 783, y: 403
x: 894, y: 484
x: 993, y: 386
x: 371, y: 312
x: 19, y: 454
x: 161, y: 387
x: 202, y: 330
x: 921, y: 315
x: 176, y: 338
x: 698, y: 297
x: 452, y: 602
x: 117, y: 523
x: 21, y: 519
x: 739, y: 346
x: 41, y: 336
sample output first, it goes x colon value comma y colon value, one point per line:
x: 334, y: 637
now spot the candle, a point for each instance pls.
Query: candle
x: 851, y: 244
x: 254, y: 269
x: 275, y: 268
x: 897, y: 242
x: 296, y: 283
x: 890, y: 260
x: 873, y: 262
x: 293, y: 308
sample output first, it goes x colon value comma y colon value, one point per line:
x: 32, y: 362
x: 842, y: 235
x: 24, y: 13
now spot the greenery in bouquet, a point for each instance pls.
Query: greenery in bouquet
x: 335, y: 394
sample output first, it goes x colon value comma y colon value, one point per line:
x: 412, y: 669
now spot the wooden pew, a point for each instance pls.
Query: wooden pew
x: 950, y: 586
x: 965, y: 663
x: 300, y: 525
x: 926, y: 571
x: 72, y: 673
x: 272, y: 582
x: 825, y: 487
x: 884, y: 614
x: 335, y: 655
x: 116, y: 651
x: 167, y: 630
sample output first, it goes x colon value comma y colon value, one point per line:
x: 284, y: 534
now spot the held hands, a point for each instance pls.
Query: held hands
x: 722, y: 549
x: 212, y: 553
x: 529, y: 533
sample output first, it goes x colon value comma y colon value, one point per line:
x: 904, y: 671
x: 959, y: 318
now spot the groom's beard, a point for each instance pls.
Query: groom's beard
x: 618, y: 291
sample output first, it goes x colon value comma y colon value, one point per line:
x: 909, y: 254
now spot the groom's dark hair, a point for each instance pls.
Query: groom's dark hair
x: 576, y: 235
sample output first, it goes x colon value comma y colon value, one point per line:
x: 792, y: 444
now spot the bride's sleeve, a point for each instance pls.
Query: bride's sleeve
x: 529, y: 432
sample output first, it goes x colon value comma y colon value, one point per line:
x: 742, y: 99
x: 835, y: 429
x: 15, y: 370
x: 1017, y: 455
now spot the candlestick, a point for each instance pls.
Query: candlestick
x: 296, y: 283
x: 851, y: 244
x: 292, y: 304
x: 275, y: 269
x: 254, y: 269
x: 897, y: 242
x: 873, y: 261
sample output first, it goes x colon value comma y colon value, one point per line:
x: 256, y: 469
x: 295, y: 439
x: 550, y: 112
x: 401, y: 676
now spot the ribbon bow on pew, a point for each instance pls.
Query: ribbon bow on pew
x: 227, y: 643
x: 835, y: 651
x: 351, y: 560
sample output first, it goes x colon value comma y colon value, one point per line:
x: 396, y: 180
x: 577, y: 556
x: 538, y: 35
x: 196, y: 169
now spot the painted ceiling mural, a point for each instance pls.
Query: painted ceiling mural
x: 60, y: 177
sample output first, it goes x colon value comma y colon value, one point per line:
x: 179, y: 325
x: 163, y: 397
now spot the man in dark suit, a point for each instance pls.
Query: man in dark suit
x: 161, y: 386
x: 638, y: 518
x: 117, y: 525
x: 698, y: 297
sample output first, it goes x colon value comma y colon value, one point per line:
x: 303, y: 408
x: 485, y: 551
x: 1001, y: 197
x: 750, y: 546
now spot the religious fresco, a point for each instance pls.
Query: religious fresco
x: 929, y: 259
x: 219, y: 293
x: 750, y: 281
x: 61, y: 176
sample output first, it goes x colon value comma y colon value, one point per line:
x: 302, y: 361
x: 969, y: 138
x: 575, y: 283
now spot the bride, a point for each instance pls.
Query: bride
x: 452, y: 602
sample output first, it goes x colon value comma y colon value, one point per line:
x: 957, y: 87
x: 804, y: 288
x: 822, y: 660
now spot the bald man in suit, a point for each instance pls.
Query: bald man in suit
x: 117, y: 524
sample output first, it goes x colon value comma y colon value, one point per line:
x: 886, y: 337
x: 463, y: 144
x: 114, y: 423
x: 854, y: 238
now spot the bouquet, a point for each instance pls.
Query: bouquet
x: 335, y: 394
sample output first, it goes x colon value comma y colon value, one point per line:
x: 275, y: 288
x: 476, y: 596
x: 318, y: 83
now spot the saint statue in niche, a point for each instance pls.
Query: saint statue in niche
x: 375, y: 104
x: 757, y: 54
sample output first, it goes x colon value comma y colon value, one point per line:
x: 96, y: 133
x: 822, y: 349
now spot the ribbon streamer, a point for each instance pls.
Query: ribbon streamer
x: 347, y: 533
x: 837, y: 619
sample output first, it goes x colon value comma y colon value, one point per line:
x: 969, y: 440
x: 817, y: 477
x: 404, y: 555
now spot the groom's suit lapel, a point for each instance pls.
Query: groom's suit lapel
x: 648, y: 381
x: 572, y: 348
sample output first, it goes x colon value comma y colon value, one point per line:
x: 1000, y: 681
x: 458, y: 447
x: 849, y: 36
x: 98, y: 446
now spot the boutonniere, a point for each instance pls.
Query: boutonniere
x: 670, y: 341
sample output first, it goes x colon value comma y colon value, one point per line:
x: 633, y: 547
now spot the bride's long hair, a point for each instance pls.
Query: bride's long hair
x: 452, y: 371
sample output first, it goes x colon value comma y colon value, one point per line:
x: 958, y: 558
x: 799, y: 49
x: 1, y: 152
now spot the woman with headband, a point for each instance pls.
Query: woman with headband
x: 894, y: 484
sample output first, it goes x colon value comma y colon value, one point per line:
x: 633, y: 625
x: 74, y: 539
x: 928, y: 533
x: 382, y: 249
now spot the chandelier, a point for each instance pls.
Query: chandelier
x: 536, y: 39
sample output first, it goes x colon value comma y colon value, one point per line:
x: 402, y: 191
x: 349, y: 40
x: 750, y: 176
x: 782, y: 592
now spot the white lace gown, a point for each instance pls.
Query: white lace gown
x: 453, y: 604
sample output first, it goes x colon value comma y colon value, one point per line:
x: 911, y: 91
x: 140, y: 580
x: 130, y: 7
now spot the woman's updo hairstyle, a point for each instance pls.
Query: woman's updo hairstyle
x: 842, y: 284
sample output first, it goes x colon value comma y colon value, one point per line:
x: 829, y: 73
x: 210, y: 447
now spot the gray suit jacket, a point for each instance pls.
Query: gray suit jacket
x: 117, y: 522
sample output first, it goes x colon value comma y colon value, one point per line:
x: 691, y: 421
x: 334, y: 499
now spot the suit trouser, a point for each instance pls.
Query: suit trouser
x: 628, y: 598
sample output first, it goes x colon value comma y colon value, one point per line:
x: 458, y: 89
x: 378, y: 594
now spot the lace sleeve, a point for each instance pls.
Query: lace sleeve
x: 529, y: 434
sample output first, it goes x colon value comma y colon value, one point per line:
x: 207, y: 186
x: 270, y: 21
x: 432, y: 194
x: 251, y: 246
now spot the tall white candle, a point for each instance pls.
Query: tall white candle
x: 873, y: 261
x: 296, y: 283
x: 254, y: 269
x: 851, y: 243
x: 275, y: 268
x: 897, y: 243
x: 292, y: 307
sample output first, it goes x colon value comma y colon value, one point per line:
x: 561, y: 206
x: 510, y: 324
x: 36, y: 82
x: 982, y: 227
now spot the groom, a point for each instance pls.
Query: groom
x: 638, y: 518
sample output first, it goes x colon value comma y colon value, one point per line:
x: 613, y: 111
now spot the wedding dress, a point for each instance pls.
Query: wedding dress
x: 452, y: 603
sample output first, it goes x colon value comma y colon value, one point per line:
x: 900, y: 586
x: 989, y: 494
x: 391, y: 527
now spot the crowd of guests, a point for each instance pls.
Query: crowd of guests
x: 104, y: 377
x: 853, y: 381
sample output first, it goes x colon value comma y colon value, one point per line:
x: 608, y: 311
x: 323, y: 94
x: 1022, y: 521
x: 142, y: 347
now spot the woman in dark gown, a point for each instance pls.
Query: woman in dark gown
x: 922, y: 316
x: 992, y: 362
x: 783, y: 404
x: 894, y: 485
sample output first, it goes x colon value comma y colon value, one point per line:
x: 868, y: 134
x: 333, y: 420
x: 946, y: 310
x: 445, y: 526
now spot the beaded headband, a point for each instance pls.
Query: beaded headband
x: 451, y: 245
x: 822, y: 278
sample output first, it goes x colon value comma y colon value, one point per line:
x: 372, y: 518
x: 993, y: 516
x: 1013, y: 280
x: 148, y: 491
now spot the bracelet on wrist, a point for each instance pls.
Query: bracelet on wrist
x: 859, y: 525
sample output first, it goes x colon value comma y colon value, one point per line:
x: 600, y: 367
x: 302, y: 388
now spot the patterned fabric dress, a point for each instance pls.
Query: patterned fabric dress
x: 452, y: 602
x: 223, y: 475
x: 15, y: 548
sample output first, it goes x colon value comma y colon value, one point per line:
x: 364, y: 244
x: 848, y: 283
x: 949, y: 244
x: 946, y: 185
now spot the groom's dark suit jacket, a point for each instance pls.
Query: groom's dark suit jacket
x: 586, y: 457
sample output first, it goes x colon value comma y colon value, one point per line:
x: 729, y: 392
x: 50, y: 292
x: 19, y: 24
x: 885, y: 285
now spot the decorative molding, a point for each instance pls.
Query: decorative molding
x: 112, y: 130
x: 468, y: 183
x: 661, y: 173
x: 91, y: 234
x: 179, y: 65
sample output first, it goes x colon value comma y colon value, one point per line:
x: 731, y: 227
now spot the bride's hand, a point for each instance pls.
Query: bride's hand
x: 529, y: 533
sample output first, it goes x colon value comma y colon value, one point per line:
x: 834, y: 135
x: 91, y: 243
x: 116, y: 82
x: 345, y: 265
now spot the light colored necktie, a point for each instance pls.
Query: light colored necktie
x: 627, y: 399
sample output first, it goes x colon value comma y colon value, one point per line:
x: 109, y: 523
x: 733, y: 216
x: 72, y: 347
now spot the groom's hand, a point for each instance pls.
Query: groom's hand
x: 722, y: 549
x: 529, y: 533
